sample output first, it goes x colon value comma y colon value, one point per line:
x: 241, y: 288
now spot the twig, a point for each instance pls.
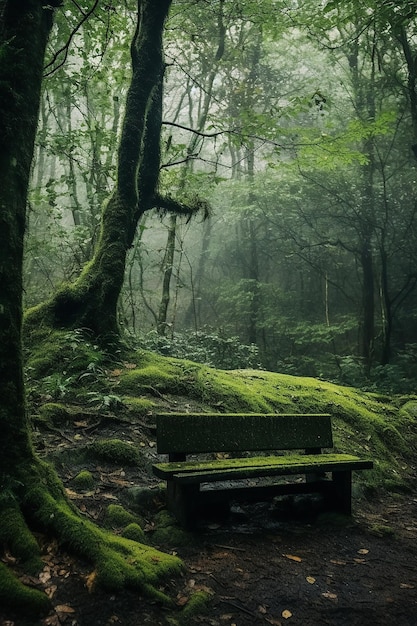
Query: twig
x: 239, y: 607
x: 219, y: 545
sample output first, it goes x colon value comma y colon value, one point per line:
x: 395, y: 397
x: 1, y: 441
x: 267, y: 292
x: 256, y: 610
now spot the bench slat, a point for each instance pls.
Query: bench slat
x: 233, y: 469
x: 217, y: 432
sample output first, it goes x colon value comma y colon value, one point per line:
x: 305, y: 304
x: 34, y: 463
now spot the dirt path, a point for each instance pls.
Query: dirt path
x: 256, y: 568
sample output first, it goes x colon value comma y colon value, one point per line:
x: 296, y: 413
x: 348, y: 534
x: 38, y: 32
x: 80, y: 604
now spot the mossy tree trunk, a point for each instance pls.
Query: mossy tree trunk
x: 30, y: 492
x: 91, y: 301
x: 24, y: 30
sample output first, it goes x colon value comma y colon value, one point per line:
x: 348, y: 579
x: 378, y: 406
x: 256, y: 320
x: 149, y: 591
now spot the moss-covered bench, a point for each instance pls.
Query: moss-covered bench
x: 298, y: 442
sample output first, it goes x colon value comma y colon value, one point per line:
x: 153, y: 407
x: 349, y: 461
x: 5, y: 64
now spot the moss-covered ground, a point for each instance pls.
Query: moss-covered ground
x: 72, y: 376
x: 93, y: 418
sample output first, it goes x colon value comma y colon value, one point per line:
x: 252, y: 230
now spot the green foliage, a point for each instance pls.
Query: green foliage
x: 216, y: 349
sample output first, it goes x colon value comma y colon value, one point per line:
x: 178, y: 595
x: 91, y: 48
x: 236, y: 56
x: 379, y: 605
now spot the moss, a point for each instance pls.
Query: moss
x: 196, y: 605
x: 381, y: 530
x: 118, y: 562
x: 139, y: 407
x: 15, y: 535
x: 147, y: 498
x: 146, y: 378
x: 117, y: 517
x: 54, y: 413
x: 167, y: 532
x: 84, y: 481
x: 134, y: 532
x: 16, y: 596
x: 115, y: 451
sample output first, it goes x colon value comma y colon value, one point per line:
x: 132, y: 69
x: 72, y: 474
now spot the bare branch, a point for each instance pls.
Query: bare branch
x: 65, y: 48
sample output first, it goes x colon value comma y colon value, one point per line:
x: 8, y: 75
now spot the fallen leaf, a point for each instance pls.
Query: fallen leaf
x: 359, y: 560
x: 311, y: 580
x: 328, y: 594
x: 335, y: 562
x: 226, y: 617
x: 45, y: 576
x: 206, y: 589
x: 71, y: 494
x: 262, y: 609
x: 406, y: 586
x: 286, y: 614
x: 50, y: 591
x: 182, y: 600
x: 91, y: 581
x: 8, y: 558
x: 363, y: 551
x: 64, y: 608
x: 298, y: 559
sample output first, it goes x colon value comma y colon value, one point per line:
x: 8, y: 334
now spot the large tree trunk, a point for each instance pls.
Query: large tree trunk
x: 30, y: 491
x: 24, y: 33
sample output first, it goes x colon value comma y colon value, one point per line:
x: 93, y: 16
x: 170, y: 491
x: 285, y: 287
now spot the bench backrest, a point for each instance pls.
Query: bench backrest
x: 228, y: 432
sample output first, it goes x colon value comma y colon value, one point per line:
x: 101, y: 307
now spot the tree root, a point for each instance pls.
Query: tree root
x: 117, y: 562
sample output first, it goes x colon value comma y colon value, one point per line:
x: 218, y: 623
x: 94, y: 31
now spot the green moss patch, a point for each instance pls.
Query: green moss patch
x: 115, y: 451
x: 167, y: 532
x: 84, y: 481
x: 118, y: 517
x: 16, y: 596
x: 134, y: 532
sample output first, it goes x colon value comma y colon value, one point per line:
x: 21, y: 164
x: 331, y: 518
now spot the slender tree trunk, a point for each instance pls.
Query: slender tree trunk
x: 167, y: 268
x: 411, y: 61
x: 204, y: 109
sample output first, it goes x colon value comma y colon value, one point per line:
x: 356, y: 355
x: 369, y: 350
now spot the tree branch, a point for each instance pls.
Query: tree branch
x: 65, y: 48
x: 166, y: 204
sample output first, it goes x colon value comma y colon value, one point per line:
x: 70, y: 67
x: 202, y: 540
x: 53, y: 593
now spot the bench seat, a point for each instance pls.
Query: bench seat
x: 292, y: 445
x: 189, y: 472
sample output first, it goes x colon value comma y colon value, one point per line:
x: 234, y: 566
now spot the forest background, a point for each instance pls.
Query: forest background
x: 297, y: 122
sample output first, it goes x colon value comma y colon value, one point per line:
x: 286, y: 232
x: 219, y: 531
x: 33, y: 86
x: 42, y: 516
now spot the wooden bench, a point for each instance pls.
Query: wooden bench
x: 189, y: 487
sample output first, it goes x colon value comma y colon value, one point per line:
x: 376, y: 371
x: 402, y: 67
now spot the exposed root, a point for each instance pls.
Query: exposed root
x: 116, y: 562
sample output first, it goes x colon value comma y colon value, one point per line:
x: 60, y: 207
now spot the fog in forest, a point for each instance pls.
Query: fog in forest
x: 298, y: 125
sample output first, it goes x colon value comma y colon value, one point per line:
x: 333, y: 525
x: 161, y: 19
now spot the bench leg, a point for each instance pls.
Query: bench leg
x: 342, y: 492
x: 183, y: 502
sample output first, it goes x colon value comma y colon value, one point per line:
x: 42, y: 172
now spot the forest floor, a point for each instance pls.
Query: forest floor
x: 261, y: 566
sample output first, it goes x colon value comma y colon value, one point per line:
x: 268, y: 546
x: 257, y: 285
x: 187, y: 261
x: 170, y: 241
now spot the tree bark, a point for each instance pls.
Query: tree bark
x: 24, y: 30
x: 30, y: 491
